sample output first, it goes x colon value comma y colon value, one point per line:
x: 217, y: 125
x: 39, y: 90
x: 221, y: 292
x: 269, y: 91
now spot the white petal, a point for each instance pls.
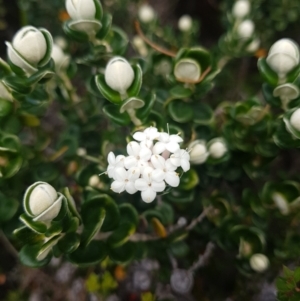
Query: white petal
x: 175, y: 138
x: 145, y: 154
x: 130, y: 161
x: 152, y: 133
x: 147, y: 173
x: 158, y: 186
x: 110, y: 171
x: 158, y: 148
x: 175, y: 161
x: 185, y: 165
x: 164, y: 137
x: 120, y: 161
x: 184, y: 154
x: 130, y: 188
x: 139, y: 136
x: 141, y: 184
x: 111, y: 159
x: 117, y: 186
x: 148, y: 195
x: 172, y: 178
x: 120, y: 174
x: 141, y: 165
x: 133, y: 148
x: 158, y: 161
x: 158, y: 175
x: 133, y: 173
x: 169, y: 166
x: 172, y: 146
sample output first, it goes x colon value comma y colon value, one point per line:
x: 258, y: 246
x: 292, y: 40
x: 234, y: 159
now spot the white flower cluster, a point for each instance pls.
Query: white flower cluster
x: 151, y: 164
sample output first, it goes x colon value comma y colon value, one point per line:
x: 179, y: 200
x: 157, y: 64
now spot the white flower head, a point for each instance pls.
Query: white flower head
x: 181, y: 158
x: 124, y: 180
x: 167, y: 142
x: 138, y: 155
x: 148, y: 186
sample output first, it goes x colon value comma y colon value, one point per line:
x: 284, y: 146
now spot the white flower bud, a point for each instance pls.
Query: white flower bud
x: 5, y: 93
x: 61, y: 42
x: 94, y: 181
x: 81, y: 152
x: 61, y: 60
x: 187, y: 70
x: 241, y: 9
x: 42, y: 201
x: 245, y: 29
x: 259, y: 262
x: 185, y: 23
x: 140, y: 46
x: 217, y: 150
x: 28, y: 48
x: 283, y: 56
x: 181, y: 281
x: 295, y: 120
x: 253, y: 46
x: 146, y: 13
x: 198, y: 153
x: 119, y: 75
x: 81, y: 9
x: 281, y: 203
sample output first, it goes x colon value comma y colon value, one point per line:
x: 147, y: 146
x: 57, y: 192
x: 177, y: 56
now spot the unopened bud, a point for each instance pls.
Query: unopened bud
x: 119, y: 75
x: 187, y: 70
x: 295, y: 120
x: 61, y: 60
x: 253, y: 46
x: 245, y: 30
x: 81, y: 152
x: 146, y: 13
x: 241, y: 9
x: 185, y: 23
x: 259, y: 262
x: 198, y: 153
x: 94, y: 181
x: 81, y: 9
x: 217, y: 150
x: 283, y: 56
x: 281, y: 203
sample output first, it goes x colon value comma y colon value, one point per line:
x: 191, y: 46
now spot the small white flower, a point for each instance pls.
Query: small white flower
x: 138, y: 155
x: 146, y: 138
x: 241, y: 9
x: 148, y: 186
x: 185, y: 23
x: 167, y: 142
x: 164, y: 170
x: 245, y: 29
x: 124, y: 180
x: 146, y: 13
x: 113, y: 163
x: 119, y: 75
x: 181, y: 158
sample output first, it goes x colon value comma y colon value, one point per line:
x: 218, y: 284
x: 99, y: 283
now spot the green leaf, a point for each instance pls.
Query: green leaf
x: 29, y: 253
x: 189, y: 180
x: 179, y: 249
x: 268, y: 74
x: 6, y: 107
x: 180, y: 92
x: 128, y: 214
x: 8, y: 208
x: 69, y: 243
x: 135, y: 87
x: 203, y: 114
x: 106, y: 24
x: 106, y: 91
x: 167, y: 213
x: 146, y: 109
x: 17, y: 84
x: 113, y: 113
x: 71, y: 202
x: 93, y: 216
x: 37, y: 227
x: 123, y: 254
x: 180, y: 111
x: 112, y: 215
x: 78, y: 36
x: 48, y: 37
x: 180, y: 196
x: 27, y: 236
x: 94, y: 253
x: 121, y: 235
x: 118, y: 40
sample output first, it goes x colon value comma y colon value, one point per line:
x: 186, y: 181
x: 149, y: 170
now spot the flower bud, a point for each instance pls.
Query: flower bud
x: 281, y: 203
x: 241, y: 9
x: 61, y: 60
x: 245, y: 30
x: 81, y: 152
x: 198, y: 153
x: 187, y: 70
x: 42, y: 202
x: 119, y: 75
x: 295, y: 120
x: 217, y: 149
x: 253, y: 46
x: 94, y: 181
x: 185, y: 23
x: 259, y: 262
x: 146, y: 13
x: 61, y: 42
x: 283, y: 56
x: 181, y: 281
x: 29, y: 48
x: 81, y: 9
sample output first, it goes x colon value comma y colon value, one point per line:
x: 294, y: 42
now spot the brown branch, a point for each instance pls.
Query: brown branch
x: 150, y: 43
x: 198, y: 219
